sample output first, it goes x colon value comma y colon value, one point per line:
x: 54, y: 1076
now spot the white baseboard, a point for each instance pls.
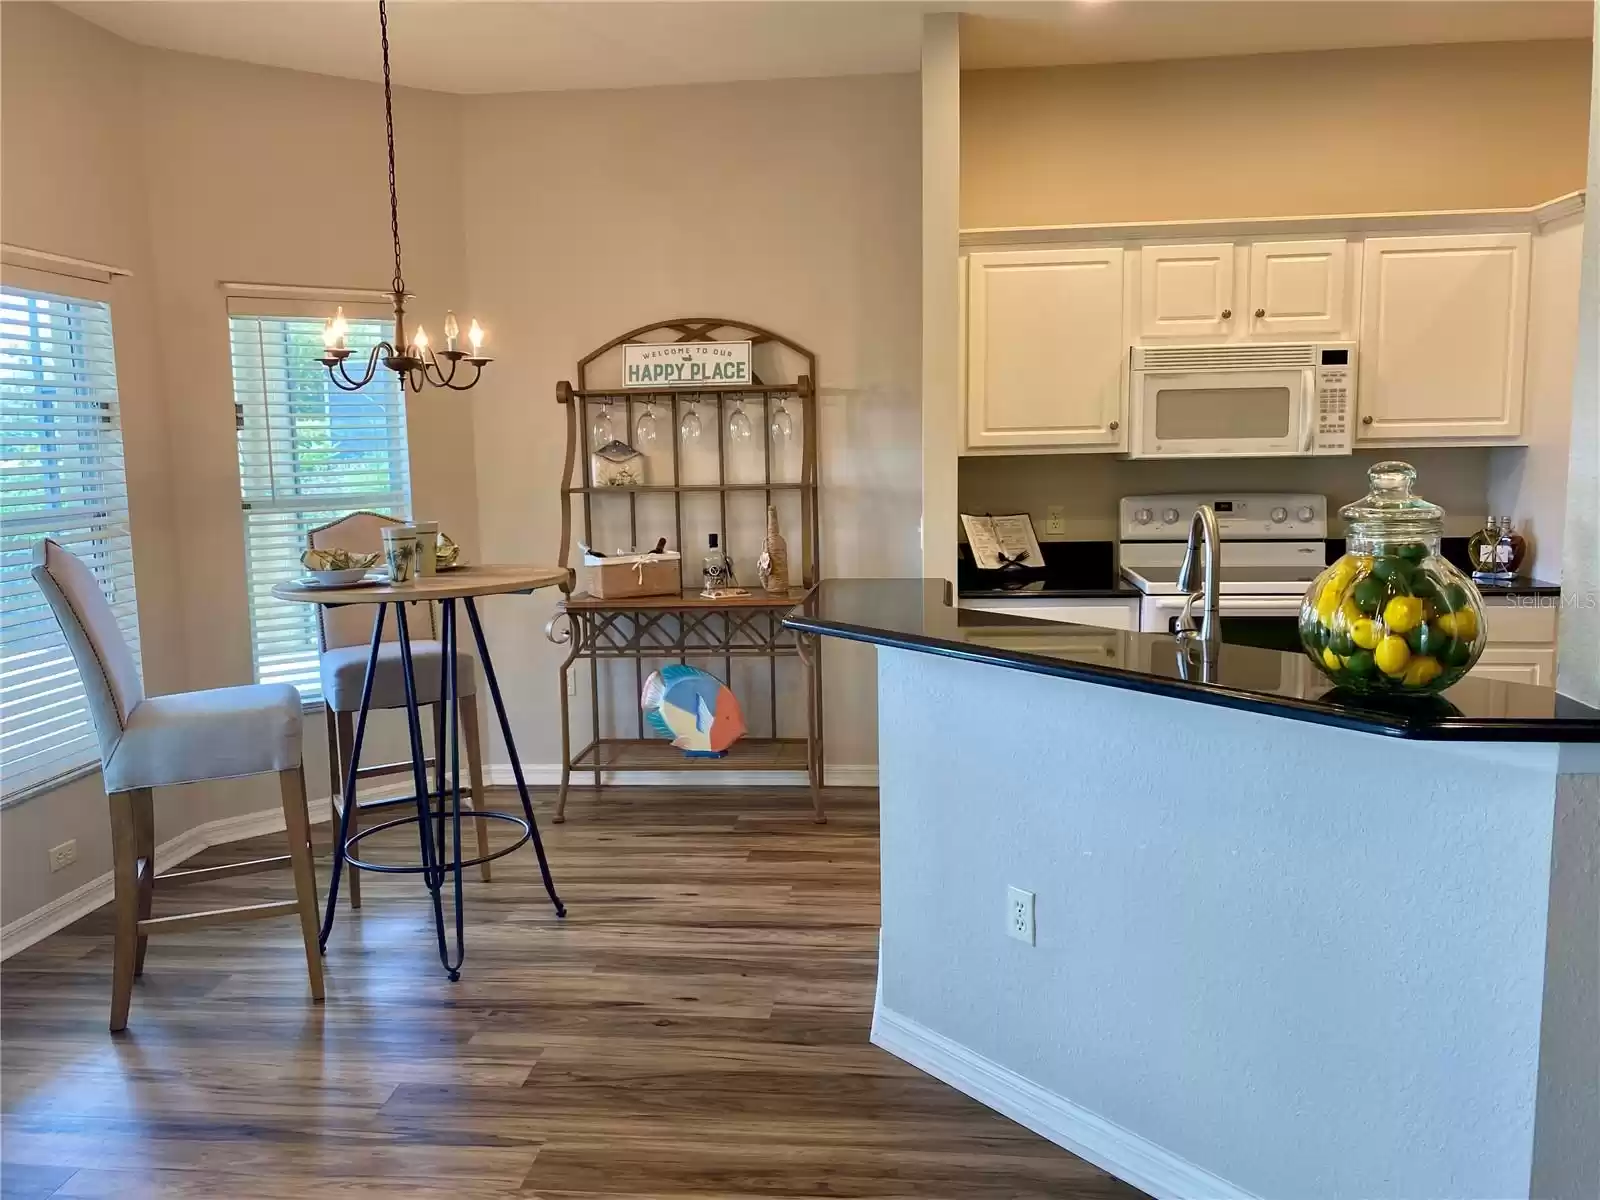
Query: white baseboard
x: 84, y: 899
x: 1124, y: 1154
x: 549, y: 775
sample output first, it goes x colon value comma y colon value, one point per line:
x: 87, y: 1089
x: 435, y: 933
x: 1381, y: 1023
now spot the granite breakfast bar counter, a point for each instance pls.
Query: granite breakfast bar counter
x: 1286, y: 941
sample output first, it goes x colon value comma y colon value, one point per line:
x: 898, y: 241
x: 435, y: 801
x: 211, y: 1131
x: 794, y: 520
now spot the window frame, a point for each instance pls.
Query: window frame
x: 113, y: 564
x: 259, y: 480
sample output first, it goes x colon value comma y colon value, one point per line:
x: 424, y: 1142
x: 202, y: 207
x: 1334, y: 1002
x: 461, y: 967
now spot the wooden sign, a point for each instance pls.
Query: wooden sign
x: 685, y: 364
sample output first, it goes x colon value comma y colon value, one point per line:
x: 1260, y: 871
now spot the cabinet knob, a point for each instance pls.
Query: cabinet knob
x: 1260, y: 312
x: 1114, y: 426
x: 1227, y: 314
x: 1366, y: 420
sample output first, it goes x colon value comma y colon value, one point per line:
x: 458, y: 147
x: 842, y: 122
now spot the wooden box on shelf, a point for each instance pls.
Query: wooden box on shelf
x: 632, y: 575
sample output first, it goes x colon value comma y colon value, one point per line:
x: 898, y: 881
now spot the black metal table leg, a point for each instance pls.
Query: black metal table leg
x: 339, y: 849
x: 511, y: 749
x: 439, y: 859
x: 433, y: 870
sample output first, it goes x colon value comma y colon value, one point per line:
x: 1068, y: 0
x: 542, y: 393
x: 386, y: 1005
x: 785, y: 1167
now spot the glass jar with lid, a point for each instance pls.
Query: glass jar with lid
x: 1392, y: 615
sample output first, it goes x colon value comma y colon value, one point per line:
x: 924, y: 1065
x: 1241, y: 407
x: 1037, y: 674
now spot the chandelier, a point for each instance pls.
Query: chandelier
x: 413, y: 359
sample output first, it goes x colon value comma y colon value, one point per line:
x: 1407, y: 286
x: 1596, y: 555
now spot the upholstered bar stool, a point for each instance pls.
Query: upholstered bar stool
x: 158, y: 741
x: 346, y: 636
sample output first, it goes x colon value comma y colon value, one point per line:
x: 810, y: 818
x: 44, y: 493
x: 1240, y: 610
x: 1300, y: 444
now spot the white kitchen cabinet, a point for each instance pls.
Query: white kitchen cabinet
x: 1186, y: 291
x: 1046, y: 353
x: 1105, y: 612
x: 1522, y: 640
x: 1517, y: 664
x: 1444, y: 331
x: 1297, y: 287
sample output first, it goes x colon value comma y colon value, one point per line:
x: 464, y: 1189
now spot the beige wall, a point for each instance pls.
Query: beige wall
x: 1377, y: 130
x: 575, y: 234
x: 188, y: 172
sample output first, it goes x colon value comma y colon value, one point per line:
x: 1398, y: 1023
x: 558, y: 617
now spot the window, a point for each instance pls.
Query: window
x: 308, y: 454
x: 61, y: 476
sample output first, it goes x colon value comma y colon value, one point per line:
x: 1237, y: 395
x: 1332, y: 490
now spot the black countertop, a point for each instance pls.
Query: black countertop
x: 912, y: 614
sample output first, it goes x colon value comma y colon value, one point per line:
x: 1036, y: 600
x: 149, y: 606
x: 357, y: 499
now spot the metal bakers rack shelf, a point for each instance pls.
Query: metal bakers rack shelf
x: 699, y: 480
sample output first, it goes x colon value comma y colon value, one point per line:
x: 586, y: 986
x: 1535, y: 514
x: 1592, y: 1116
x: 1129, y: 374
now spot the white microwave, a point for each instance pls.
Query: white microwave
x: 1264, y: 400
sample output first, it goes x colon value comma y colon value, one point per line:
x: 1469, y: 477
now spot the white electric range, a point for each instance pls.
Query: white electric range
x: 1272, y: 548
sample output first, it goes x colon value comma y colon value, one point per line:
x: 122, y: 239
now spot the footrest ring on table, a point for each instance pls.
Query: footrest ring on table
x: 447, y: 867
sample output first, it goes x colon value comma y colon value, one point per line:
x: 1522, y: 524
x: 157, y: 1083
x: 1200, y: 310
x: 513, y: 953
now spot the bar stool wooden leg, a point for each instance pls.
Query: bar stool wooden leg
x: 478, y: 800
x: 297, y: 825
x: 335, y: 779
x: 125, y: 906
x: 345, y: 737
x: 144, y: 846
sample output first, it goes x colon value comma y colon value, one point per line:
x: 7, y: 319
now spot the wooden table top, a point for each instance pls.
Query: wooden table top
x: 447, y: 585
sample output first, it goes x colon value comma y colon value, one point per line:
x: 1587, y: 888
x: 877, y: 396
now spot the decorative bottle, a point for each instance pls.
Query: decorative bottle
x: 773, y: 564
x: 1481, y: 549
x: 717, y: 571
x: 1519, y: 546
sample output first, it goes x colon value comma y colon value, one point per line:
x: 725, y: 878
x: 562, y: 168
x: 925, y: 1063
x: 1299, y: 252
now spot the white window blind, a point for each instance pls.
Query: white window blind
x: 308, y: 454
x: 62, y: 472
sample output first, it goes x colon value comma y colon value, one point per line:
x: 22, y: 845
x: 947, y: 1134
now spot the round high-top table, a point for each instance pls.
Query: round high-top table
x: 437, y: 862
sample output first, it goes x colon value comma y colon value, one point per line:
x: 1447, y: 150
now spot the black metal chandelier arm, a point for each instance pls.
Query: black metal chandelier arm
x: 341, y: 377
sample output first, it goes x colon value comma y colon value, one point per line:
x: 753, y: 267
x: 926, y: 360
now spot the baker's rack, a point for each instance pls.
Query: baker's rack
x: 662, y: 629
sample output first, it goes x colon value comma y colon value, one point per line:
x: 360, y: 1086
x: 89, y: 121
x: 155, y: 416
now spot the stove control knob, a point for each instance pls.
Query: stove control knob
x: 1171, y: 516
x: 1306, y: 513
x: 1280, y: 515
x: 1144, y: 516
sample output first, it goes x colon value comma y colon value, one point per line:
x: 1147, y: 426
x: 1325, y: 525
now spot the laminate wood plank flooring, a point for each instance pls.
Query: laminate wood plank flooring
x: 697, y: 1027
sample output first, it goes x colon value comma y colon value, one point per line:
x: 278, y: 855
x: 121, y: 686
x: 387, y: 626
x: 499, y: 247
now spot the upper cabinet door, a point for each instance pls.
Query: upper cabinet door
x: 1444, y: 332
x: 1045, y: 349
x: 1297, y: 287
x: 1186, y: 291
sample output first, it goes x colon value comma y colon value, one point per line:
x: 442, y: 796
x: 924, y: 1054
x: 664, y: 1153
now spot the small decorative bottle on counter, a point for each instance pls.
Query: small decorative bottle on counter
x: 773, y: 564
x: 1481, y: 550
x: 1519, y: 547
x: 718, y: 571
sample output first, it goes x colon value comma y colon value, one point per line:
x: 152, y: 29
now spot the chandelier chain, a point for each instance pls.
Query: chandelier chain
x: 388, y: 118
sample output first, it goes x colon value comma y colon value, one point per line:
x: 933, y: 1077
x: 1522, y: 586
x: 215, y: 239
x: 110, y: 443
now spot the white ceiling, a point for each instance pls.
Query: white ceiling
x: 480, y: 46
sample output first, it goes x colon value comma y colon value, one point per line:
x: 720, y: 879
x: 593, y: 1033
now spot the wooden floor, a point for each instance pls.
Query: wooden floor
x: 696, y: 1027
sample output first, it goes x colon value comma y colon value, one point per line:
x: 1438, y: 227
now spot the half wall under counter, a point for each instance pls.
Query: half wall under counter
x: 1287, y: 942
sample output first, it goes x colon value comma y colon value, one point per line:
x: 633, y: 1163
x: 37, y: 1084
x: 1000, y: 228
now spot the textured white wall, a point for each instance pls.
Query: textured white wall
x: 1307, y: 960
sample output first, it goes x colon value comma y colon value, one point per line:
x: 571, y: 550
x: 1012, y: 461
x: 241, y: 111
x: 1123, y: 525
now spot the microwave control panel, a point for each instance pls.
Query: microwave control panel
x: 1335, y: 390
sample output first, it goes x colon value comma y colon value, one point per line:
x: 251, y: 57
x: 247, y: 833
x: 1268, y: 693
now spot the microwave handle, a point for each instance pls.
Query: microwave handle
x: 1308, y: 411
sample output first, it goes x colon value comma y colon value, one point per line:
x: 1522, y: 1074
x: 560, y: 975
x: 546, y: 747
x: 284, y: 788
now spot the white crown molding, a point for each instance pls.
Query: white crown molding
x: 1535, y: 217
x: 1131, y: 1158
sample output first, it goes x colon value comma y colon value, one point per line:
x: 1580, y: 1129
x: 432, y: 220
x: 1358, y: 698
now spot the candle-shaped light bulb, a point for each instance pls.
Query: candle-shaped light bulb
x: 420, y: 342
x: 475, y: 335
x: 452, y: 330
x: 329, y: 337
x: 339, y: 327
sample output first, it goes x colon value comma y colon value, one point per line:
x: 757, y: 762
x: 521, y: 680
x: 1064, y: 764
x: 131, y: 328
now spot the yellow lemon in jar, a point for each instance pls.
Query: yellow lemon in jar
x: 1331, y: 660
x: 1392, y: 655
x: 1402, y: 614
x: 1366, y: 633
x: 1462, y: 625
x: 1420, y: 671
x: 1328, y: 604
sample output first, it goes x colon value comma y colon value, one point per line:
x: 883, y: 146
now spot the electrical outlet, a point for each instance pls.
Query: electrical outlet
x: 572, y: 683
x: 63, y: 855
x: 1055, y: 520
x: 1019, y: 915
